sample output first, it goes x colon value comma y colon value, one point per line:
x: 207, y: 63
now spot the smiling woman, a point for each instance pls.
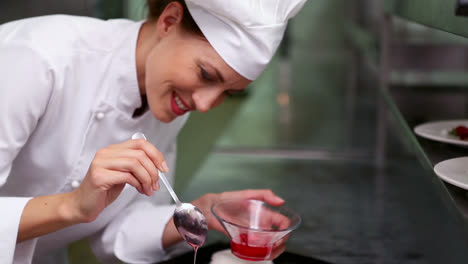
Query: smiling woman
x: 179, y: 70
x: 90, y: 85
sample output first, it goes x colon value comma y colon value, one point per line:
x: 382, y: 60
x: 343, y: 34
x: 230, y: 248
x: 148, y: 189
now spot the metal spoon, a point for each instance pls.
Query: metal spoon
x: 188, y: 219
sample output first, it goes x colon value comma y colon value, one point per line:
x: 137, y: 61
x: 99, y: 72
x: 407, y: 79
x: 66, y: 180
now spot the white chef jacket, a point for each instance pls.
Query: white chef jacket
x: 68, y: 87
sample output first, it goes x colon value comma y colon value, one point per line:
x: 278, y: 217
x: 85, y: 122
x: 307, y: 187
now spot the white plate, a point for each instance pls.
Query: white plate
x: 440, y: 131
x: 454, y: 171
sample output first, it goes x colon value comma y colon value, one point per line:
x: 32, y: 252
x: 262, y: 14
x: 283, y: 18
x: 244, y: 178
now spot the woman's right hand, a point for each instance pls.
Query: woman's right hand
x: 135, y: 162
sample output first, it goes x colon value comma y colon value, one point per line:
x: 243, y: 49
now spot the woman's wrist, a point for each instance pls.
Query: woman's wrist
x: 68, y: 210
x: 46, y: 214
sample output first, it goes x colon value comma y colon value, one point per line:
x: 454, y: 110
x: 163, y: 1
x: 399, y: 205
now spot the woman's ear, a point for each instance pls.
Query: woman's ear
x: 170, y: 18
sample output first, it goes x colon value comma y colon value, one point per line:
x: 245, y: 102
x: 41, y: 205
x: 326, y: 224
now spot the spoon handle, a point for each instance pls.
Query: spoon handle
x: 162, y: 177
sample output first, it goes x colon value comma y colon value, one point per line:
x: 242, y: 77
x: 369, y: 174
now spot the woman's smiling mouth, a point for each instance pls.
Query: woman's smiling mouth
x: 179, y: 107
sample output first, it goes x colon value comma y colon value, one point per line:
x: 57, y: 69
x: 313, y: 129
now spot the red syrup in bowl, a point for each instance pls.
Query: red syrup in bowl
x: 250, y: 252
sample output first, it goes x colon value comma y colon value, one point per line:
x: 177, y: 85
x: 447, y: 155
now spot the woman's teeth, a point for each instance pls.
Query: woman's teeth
x: 179, y: 103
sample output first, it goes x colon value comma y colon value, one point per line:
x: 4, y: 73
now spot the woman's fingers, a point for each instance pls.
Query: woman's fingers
x: 153, y: 153
x: 277, y: 220
x: 133, y: 166
x: 274, y: 220
x: 134, y: 162
x: 119, y: 177
x: 147, y: 163
x: 149, y: 157
x: 277, y: 251
x: 265, y: 195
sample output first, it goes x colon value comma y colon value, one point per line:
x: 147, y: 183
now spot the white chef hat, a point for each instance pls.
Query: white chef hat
x: 245, y: 33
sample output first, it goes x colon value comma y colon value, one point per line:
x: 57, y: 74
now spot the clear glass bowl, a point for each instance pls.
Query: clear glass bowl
x: 254, y: 226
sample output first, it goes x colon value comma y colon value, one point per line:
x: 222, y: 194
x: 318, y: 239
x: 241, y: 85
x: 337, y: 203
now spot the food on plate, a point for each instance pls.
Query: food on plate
x: 461, y: 132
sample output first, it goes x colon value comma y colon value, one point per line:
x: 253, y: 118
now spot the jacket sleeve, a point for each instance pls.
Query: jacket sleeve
x: 25, y: 90
x: 135, y: 235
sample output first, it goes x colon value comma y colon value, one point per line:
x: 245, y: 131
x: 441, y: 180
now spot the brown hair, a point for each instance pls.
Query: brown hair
x: 156, y: 7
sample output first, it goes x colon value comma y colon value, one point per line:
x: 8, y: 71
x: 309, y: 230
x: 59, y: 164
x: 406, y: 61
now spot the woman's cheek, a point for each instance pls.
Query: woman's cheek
x: 219, y: 100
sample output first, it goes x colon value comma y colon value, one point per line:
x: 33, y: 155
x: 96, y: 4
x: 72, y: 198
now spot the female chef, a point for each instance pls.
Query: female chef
x: 72, y: 92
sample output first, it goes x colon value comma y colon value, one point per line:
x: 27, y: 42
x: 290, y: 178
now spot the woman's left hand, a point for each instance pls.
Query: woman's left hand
x: 205, y: 202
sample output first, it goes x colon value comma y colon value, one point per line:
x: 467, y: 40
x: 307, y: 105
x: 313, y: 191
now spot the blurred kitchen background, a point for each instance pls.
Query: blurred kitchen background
x: 328, y: 127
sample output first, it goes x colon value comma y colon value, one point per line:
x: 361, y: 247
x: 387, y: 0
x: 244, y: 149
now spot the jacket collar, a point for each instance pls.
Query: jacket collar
x: 128, y: 97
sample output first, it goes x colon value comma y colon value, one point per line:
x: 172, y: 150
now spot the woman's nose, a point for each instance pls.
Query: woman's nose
x: 206, y: 98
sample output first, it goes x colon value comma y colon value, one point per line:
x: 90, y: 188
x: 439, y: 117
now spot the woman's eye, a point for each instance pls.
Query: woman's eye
x: 205, y: 75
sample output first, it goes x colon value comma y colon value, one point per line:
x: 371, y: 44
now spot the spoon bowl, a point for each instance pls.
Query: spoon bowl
x: 188, y: 219
x: 191, y: 224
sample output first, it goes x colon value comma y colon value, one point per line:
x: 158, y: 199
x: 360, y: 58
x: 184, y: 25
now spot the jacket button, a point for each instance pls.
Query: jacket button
x: 75, y: 184
x: 100, y: 115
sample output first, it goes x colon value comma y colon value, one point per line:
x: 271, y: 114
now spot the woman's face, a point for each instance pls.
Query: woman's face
x: 184, y: 73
